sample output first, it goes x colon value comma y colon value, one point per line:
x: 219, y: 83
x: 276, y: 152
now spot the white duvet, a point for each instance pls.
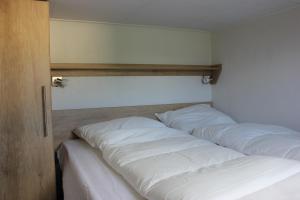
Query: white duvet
x: 165, y: 164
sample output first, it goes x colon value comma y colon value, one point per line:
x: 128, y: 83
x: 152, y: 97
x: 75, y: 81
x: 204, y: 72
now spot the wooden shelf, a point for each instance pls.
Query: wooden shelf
x: 100, y: 69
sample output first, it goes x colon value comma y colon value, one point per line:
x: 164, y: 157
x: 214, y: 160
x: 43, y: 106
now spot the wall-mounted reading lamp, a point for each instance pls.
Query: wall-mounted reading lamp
x: 206, y: 79
x: 58, y: 81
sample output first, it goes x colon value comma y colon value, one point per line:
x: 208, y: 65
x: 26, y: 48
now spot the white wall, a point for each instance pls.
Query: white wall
x: 90, y: 42
x: 129, y: 91
x: 260, y: 80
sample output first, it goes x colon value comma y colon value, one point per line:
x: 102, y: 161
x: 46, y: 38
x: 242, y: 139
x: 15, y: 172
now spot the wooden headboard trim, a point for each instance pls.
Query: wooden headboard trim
x: 65, y: 121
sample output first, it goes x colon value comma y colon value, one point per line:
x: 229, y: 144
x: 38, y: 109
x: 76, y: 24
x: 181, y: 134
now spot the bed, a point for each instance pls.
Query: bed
x: 87, y: 176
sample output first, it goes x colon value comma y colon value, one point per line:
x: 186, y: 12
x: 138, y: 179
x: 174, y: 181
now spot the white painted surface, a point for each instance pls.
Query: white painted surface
x: 93, y: 92
x: 106, y: 43
x: 200, y: 14
x: 73, y: 41
x: 261, y: 67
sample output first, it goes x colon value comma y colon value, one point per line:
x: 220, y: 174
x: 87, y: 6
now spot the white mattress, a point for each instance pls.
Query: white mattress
x: 86, y: 176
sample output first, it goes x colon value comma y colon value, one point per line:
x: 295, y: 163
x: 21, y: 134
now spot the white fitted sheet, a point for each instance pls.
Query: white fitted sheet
x: 86, y: 176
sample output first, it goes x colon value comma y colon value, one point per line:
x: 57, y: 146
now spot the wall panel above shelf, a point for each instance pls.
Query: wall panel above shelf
x: 100, y: 69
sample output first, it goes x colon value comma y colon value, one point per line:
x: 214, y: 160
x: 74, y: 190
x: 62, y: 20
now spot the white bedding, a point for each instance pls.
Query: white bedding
x: 180, y: 167
x: 195, y: 116
x: 86, y: 176
x: 89, y: 132
x: 254, y: 139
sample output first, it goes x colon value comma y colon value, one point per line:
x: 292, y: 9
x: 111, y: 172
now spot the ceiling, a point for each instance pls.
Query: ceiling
x: 198, y: 14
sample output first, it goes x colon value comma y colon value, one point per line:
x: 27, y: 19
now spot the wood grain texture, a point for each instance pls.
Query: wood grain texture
x: 103, y: 66
x: 215, y: 74
x: 26, y: 156
x: 100, y: 69
x: 65, y: 121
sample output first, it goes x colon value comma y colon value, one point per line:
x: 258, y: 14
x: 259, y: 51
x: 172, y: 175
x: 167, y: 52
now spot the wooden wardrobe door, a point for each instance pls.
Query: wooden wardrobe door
x: 26, y: 143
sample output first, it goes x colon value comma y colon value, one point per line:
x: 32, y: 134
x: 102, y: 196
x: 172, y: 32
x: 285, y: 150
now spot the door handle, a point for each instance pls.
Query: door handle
x: 45, y: 116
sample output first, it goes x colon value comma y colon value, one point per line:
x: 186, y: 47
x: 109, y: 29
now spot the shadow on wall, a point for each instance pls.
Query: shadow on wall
x: 261, y: 68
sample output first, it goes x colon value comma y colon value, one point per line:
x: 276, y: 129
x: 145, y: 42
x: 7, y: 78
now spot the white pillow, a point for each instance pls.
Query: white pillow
x: 89, y: 132
x: 196, y: 116
x: 254, y: 139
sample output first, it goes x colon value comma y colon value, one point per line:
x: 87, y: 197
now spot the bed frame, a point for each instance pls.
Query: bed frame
x: 64, y: 121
